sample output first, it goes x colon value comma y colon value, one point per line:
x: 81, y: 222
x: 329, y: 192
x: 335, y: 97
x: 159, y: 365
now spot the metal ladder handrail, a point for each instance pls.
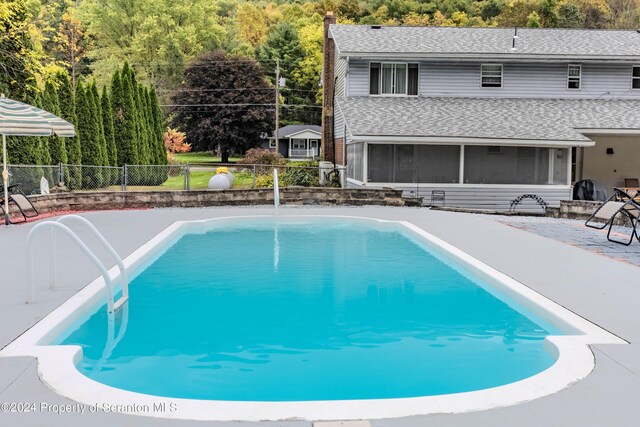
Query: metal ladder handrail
x: 83, y: 247
x: 105, y: 244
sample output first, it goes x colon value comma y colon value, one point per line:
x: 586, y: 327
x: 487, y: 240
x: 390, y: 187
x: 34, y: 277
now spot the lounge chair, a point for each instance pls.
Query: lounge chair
x: 18, y: 198
x: 618, y: 204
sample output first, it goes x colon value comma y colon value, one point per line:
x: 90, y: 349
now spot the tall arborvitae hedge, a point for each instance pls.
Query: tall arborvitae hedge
x: 66, y: 100
x: 102, y: 142
x: 124, y: 116
x: 107, y: 123
x: 158, y: 128
x: 89, y: 128
x: 57, y: 145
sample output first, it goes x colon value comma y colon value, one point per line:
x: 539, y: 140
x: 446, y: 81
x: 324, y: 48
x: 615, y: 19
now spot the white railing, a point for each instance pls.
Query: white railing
x: 302, y: 152
x: 53, y: 227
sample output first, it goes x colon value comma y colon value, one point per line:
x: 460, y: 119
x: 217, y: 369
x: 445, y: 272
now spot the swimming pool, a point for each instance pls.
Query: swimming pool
x: 319, y: 318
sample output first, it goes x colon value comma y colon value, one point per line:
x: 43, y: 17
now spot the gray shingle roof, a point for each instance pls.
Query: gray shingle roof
x: 289, y: 129
x: 494, y: 118
x: 436, y: 41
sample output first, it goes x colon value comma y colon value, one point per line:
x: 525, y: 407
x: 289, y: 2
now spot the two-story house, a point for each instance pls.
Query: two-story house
x: 483, y: 114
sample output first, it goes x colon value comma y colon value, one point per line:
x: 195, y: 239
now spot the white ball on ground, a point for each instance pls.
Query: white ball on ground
x: 220, y: 182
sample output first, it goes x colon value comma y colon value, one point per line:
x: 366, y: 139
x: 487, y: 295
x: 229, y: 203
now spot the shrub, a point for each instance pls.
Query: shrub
x: 174, y: 141
x: 264, y: 181
x: 262, y: 156
x: 304, y: 174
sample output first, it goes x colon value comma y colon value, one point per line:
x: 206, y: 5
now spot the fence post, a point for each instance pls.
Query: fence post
x: 187, y: 175
x: 124, y: 178
x: 60, y: 174
x: 254, y: 176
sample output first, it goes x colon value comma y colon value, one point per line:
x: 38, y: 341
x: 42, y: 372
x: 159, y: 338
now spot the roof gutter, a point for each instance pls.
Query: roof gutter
x: 461, y: 140
x: 511, y: 57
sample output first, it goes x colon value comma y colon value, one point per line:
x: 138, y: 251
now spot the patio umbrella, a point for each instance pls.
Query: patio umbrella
x: 19, y: 119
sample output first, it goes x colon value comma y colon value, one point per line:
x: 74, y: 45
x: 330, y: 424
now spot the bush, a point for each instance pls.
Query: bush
x: 304, y: 174
x: 262, y: 156
x: 264, y: 181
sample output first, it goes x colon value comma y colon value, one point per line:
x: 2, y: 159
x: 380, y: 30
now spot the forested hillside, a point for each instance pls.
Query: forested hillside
x: 39, y: 38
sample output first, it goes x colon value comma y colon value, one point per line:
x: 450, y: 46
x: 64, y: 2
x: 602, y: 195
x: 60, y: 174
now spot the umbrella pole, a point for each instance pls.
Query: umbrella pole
x: 5, y: 179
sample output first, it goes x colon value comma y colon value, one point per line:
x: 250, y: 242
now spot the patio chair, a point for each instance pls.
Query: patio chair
x: 605, y: 215
x: 22, y: 202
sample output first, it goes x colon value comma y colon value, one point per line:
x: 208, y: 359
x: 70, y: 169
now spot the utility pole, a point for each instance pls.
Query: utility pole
x: 275, y: 134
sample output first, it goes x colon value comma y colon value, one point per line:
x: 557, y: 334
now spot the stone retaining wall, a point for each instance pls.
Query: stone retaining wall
x: 103, y: 200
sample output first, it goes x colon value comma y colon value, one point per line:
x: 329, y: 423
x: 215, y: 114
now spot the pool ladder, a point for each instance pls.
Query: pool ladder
x: 53, y: 227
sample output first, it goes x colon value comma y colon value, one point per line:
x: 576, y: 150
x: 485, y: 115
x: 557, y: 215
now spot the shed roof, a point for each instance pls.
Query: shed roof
x: 531, y: 43
x: 508, y: 121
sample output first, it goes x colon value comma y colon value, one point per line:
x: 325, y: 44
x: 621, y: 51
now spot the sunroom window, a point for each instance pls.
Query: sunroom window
x: 387, y: 78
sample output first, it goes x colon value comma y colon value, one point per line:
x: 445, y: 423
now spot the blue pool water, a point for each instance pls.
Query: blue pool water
x: 322, y: 310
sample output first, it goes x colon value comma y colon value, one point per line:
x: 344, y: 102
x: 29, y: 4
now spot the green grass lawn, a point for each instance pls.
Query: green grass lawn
x: 200, y: 157
x: 200, y: 179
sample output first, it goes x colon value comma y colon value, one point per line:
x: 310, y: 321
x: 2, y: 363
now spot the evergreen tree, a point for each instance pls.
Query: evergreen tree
x: 107, y: 122
x: 57, y: 148
x: 143, y: 130
x: 158, y: 127
x: 124, y: 117
x: 87, y: 126
x: 102, y: 142
x: 67, y: 104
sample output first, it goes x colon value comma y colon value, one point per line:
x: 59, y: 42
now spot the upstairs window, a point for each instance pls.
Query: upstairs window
x: 635, y: 78
x: 574, y: 76
x: 393, y: 79
x: 491, y: 75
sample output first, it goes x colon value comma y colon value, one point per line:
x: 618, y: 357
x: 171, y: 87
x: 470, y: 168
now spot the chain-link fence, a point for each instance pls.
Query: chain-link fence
x: 65, y: 177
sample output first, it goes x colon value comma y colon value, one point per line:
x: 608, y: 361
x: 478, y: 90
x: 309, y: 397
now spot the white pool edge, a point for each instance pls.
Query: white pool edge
x: 57, y: 364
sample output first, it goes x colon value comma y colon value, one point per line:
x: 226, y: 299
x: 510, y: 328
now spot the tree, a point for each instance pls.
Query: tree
x: 71, y: 43
x: 107, y: 123
x: 174, y: 141
x: 533, y: 20
x: 158, y: 127
x: 283, y: 46
x: 225, y: 105
x: 124, y: 119
x: 101, y: 140
x: 88, y: 128
x: 57, y: 147
x: 18, y: 64
x: 66, y: 101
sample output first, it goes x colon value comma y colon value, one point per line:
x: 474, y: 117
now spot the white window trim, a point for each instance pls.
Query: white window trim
x: 574, y: 77
x: 634, y: 78
x: 392, y: 95
x: 501, y: 76
x: 272, y: 143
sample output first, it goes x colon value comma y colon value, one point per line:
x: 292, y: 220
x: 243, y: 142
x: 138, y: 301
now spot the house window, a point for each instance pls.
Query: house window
x: 491, y: 75
x: 635, y: 78
x: 574, y: 76
x: 393, y: 79
x: 299, y: 144
x: 355, y: 161
x: 272, y: 143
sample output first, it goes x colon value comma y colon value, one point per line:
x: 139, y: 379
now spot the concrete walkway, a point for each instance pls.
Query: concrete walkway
x: 597, y: 287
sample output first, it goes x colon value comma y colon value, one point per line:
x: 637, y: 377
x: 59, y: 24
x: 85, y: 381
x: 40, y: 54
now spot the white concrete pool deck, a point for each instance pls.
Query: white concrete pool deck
x: 598, y: 287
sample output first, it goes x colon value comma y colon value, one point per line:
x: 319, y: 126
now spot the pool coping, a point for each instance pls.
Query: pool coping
x: 56, y: 365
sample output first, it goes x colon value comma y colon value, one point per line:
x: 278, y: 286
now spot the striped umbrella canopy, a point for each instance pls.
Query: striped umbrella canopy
x: 20, y: 119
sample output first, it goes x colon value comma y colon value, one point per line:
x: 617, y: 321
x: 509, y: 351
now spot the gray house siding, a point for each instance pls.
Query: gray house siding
x: 496, y: 198
x: 358, y: 78
x: 338, y: 123
x: 340, y: 71
x: 519, y: 81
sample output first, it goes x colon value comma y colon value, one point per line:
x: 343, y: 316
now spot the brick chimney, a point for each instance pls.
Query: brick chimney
x: 328, y: 83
